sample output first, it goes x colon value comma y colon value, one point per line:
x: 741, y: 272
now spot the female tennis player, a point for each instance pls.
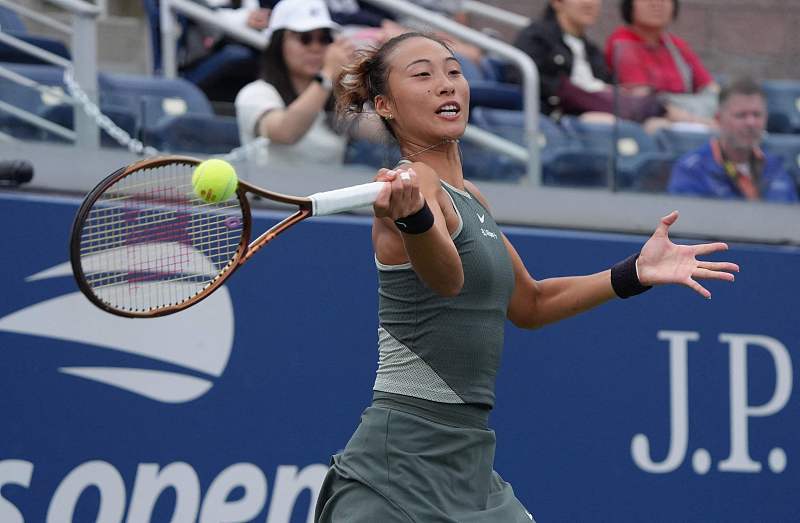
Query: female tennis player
x: 449, y: 278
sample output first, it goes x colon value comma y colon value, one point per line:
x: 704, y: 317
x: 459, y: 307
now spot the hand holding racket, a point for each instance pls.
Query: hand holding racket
x: 144, y: 244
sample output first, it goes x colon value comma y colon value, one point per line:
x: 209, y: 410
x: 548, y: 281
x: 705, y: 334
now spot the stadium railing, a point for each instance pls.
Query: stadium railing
x: 528, y: 154
x: 83, y: 33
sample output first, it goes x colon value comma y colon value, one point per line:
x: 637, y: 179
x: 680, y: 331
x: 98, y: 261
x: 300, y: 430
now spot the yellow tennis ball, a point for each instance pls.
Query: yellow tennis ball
x: 214, y: 180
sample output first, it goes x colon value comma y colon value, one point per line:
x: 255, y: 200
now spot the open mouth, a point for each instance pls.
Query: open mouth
x: 449, y: 109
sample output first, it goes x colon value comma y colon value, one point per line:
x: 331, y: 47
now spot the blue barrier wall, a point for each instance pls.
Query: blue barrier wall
x: 666, y: 407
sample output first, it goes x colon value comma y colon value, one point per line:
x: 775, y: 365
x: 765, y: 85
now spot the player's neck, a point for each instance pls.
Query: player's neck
x: 443, y: 157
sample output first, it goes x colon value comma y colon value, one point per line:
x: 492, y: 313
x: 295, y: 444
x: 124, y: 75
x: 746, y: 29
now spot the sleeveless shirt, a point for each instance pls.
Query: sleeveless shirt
x: 447, y: 349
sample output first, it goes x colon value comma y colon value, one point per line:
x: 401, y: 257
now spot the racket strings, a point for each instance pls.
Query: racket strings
x: 149, y: 242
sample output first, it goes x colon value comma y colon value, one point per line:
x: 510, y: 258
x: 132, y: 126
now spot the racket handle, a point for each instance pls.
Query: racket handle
x: 346, y: 199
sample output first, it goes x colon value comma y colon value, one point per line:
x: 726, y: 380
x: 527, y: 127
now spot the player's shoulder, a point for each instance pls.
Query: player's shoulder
x: 427, y: 175
x: 474, y: 191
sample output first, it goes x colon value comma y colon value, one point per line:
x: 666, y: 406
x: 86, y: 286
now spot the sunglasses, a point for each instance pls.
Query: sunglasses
x: 323, y: 37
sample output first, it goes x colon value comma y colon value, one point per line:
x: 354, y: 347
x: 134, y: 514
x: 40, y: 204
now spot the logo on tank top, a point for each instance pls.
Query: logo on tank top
x: 490, y: 234
x: 481, y: 217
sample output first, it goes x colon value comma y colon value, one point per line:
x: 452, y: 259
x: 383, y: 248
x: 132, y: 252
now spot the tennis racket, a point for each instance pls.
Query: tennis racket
x: 144, y: 245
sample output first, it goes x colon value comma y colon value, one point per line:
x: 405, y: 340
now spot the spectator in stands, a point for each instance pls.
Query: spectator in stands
x: 288, y: 104
x: 733, y: 166
x: 216, y: 63
x: 573, y: 75
x: 644, y: 55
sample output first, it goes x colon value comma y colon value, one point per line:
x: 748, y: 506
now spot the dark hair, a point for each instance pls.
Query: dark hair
x: 274, y: 70
x: 368, y: 76
x: 744, y: 85
x: 549, y: 12
x: 626, y: 9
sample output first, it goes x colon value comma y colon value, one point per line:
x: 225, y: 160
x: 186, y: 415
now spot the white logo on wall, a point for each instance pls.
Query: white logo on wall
x: 179, y: 339
x: 741, y: 410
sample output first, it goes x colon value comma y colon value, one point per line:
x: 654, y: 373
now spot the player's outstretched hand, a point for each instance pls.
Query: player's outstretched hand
x: 662, y: 261
x: 401, y: 198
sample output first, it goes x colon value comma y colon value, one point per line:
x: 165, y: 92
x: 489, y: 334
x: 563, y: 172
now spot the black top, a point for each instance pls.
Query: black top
x: 543, y: 41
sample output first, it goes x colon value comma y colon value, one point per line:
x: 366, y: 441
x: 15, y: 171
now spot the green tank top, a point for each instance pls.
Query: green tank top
x: 447, y: 349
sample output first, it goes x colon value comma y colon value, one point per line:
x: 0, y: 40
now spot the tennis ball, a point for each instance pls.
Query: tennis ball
x: 214, y: 180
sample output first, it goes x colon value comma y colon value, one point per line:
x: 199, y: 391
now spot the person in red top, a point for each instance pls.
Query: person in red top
x: 645, y: 55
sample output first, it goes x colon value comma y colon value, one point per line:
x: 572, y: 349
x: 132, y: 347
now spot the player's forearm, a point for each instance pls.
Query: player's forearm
x: 436, y: 261
x: 560, y: 298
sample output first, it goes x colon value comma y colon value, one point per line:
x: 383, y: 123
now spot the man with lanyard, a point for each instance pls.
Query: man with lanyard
x: 733, y: 165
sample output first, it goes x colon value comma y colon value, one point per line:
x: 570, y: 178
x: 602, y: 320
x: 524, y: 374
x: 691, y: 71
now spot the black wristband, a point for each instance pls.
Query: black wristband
x: 624, y: 279
x: 416, y: 223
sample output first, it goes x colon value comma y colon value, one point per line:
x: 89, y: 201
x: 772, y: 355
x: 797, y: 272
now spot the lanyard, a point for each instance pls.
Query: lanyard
x: 746, y: 184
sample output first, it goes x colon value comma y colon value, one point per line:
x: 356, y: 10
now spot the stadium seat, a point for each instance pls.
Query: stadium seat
x: 487, y: 93
x: 371, y: 154
x: 64, y: 115
x: 152, y: 98
x: 783, y: 105
x: 679, y: 142
x: 198, y: 133
x: 787, y: 146
x: 576, y: 168
x: 565, y: 161
x: 12, y: 24
x: 494, y: 69
x: 638, y: 157
x: 28, y: 99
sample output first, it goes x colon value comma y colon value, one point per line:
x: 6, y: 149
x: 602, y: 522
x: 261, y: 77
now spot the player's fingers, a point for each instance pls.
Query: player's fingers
x: 408, y: 186
x: 382, y: 202
x: 712, y: 275
x: 718, y: 266
x: 708, y: 248
x: 666, y: 223
x: 699, y: 289
x: 385, y: 175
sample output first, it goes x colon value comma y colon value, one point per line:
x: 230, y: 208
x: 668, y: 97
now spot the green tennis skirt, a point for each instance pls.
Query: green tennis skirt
x: 412, y: 460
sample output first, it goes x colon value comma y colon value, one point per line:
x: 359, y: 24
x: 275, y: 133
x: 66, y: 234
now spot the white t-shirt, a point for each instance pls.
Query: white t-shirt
x: 319, y: 145
x: 581, y: 74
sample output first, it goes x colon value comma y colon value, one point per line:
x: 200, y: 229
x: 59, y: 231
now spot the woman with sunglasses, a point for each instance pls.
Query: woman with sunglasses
x: 290, y: 103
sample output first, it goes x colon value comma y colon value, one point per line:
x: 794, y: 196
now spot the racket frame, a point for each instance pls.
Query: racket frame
x: 245, y: 250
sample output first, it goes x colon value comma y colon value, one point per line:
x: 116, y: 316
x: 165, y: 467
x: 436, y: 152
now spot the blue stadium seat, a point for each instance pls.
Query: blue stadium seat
x: 198, y: 133
x: 13, y: 25
x: 679, y: 142
x: 576, y: 168
x: 786, y: 146
x: 783, y: 105
x: 638, y: 157
x: 494, y: 69
x: 565, y: 160
x: 511, y: 125
x: 29, y: 99
x: 488, y: 93
x: 64, y: 115
x: 152, y: 98
x: 371, y: 154
x: 11, y: 22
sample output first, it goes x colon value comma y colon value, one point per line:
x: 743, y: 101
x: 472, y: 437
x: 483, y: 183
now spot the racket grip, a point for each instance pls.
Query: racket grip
x: 346, y: 199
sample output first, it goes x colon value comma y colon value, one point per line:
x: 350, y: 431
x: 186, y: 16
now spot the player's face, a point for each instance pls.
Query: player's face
x: 655, y: 14
x: 428, y: 95
x: 580, y: 14
x: 742, y: 120
x: 304, y: 53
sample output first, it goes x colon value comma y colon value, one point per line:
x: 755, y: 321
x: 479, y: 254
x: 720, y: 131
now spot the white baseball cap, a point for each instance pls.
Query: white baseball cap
x: 300, y: 16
